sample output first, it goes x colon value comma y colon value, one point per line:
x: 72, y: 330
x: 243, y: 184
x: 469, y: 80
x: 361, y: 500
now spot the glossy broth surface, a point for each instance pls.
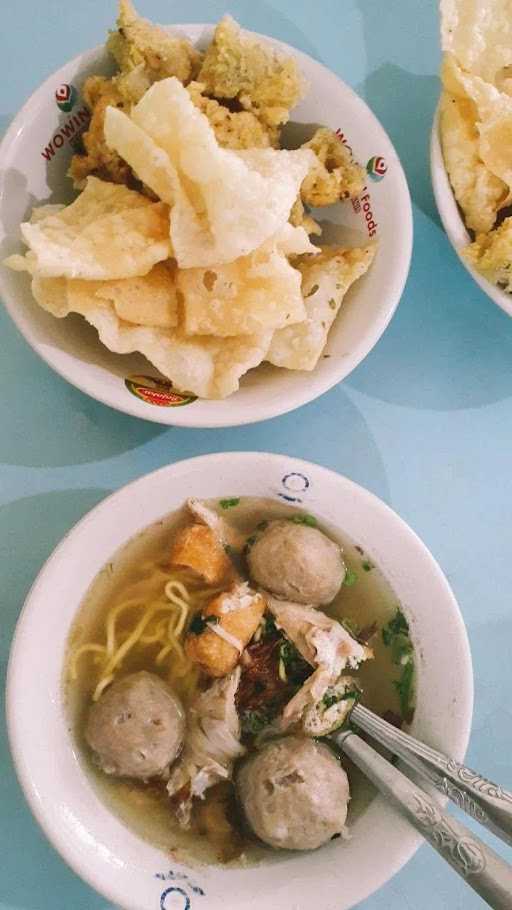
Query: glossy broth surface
x: 137, y: 567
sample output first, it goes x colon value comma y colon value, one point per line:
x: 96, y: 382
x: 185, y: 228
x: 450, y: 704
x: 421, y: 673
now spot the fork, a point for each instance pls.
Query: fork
x: 486, y: 802
x: 480, y: 866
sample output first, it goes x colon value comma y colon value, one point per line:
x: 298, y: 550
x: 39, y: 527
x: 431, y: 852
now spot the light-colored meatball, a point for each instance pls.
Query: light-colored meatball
x: 136, y: 729
x: 294, y: 794
x: 297, y: 562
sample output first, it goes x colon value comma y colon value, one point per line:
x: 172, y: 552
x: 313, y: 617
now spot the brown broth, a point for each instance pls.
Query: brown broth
x: 145, y: 808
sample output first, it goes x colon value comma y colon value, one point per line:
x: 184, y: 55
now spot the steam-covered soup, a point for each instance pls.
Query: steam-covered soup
x: 210, y: 662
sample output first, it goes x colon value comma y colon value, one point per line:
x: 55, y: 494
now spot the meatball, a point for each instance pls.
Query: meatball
x: 297, y: 562
x: 136, y: 729
x: 294, y: 793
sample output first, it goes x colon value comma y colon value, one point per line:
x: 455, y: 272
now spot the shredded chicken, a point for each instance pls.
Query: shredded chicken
x: 228, y: 535
x: 212, y: 745
x: 324, y: 643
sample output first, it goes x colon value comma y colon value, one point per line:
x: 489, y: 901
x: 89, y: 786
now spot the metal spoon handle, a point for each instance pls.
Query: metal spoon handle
x: 487, y: 803
x: 482, y: 869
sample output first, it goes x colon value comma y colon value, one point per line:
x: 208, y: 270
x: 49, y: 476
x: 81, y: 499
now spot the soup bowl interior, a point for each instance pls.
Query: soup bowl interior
x: 93, y: 841
x: 34, y: 159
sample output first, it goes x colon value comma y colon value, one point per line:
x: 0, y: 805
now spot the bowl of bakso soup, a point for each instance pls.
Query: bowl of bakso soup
x: 182, y: 661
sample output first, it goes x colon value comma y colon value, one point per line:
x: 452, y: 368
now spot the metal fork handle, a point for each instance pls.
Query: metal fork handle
x: 482, y: 869
x: 487, y: 803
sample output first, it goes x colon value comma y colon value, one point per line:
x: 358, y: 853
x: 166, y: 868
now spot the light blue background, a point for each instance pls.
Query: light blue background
x: 424, y: 422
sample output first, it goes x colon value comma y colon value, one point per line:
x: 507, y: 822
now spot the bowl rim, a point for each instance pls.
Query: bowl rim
x: 310, y: 388
x: 16, y: 674
x: 451, y: 218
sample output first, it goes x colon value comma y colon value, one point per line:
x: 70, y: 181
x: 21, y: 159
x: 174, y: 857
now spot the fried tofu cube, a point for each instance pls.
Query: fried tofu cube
x: 217, y: 639
x: 197, y: 547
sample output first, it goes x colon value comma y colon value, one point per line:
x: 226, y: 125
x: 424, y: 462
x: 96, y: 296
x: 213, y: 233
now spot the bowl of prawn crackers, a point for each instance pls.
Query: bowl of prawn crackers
x: 471, y: 151
x: 200, y: 226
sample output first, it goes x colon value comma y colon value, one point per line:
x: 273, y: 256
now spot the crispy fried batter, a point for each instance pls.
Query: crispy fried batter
x: 98, y: 160
x: 233, y: 129
x: 199, y: 548
x: 491, y: 255
x: 237, y: 67
x: 299, y: 217
x: 138, y: 41
x: 236, y: 612
x: 479, y: 192
x: 335, y: 175
x: 145, y: 53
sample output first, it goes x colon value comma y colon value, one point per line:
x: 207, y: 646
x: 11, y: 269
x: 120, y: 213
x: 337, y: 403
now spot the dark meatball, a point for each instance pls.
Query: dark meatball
x: 294, y: 793
x: 136, y: 728
x: 297, y: 562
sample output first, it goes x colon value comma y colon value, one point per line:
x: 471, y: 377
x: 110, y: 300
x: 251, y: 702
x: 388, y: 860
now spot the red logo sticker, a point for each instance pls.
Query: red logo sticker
x: 159, y: 392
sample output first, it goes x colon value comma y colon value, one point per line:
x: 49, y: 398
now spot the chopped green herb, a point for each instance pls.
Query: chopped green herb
x: 308, y: 520
x: 250, y: 543
x: 396, y: 626
x: 199, y: 623
x: 332, y: 303
x: 396, y: 636
x: 294, y: 667
x: 229, y: 503
x: 332, y: 697
x: 253, y: 722
x: 404, y: 687
x: 269, y: 625
x: 350, y: 578
x: 367, y: 565
x: 313, y: 290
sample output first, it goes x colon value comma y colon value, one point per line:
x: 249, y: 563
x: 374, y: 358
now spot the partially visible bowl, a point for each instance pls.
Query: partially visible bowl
x: 452, y: 220
x: 34, y: 157
x: 133, y: 874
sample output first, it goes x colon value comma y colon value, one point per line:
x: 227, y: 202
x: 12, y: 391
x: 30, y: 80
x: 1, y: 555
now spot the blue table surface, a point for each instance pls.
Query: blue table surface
x: 424, y: 422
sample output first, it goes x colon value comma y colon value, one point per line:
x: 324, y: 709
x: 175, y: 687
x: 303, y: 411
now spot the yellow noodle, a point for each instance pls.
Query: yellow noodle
x: 134, y: 636
x: 153, y: 592
x: 112, y: 615
x: 102, y: 685
x: 83, y: 649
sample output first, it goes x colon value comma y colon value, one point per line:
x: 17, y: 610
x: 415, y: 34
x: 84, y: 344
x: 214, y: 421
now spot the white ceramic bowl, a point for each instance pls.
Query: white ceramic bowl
x: 452, y: 220
x: 71, y: 348
x: 94, y: 842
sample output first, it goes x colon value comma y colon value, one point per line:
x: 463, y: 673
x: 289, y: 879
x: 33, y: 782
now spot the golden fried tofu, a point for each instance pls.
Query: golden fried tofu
x: 98, y: 160
x: 233, y: 129
x: 335, y: 174
x: 237, y: 66
x: 199, y: 548
x: 491, y: 255
x: 299, y: 217
x: 217, y: 639
x: 138, y: 42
